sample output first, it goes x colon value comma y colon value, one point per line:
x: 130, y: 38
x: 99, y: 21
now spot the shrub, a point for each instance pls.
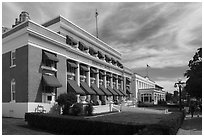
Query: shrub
x: 66, y: 100
x: 162, y: 103
x: 89, y: 109
x: 77, y: 109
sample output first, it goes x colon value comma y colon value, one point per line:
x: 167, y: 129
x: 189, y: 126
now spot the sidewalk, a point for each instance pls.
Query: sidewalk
x: 191, y: 126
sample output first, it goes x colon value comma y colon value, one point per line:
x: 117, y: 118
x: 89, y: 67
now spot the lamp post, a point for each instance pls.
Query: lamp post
x: 179, y: 84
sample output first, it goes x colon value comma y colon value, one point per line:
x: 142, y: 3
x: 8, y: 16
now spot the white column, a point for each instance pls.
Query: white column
x: 104, y: 80
x: 111, y: 81
x: 124, y: 82
x: 88, y: 76
x: 117, y: 82
x: 78, y: 73
x: 97, y: 78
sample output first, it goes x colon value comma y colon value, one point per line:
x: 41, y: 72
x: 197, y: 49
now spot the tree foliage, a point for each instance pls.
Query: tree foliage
x: 194, y: 75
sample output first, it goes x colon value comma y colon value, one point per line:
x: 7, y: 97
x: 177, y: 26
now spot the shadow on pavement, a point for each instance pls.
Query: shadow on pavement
x: 194, y: 123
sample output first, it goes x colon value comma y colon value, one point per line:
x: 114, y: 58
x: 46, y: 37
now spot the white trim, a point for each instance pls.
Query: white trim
x: 68, y: 57
x: 71, y: 49
x: 12, y: 64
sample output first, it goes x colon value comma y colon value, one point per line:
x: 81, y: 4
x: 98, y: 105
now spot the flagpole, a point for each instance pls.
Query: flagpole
x: 96, y: 24
x: 147, y: 71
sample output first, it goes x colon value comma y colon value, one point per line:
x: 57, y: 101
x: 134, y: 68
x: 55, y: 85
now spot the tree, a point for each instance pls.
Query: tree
x: 194, y: 75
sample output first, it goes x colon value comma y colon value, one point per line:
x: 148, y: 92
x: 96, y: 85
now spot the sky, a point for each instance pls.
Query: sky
x: 163, y: 35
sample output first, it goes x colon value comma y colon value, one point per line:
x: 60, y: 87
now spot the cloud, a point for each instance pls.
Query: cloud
x: 163, y: 35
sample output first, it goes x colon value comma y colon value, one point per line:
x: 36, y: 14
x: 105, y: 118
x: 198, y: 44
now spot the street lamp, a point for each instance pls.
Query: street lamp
x: 179, y: 84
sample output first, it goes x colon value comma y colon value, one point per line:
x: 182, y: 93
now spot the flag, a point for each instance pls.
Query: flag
x: 96, y: 13
x: 148, y: 66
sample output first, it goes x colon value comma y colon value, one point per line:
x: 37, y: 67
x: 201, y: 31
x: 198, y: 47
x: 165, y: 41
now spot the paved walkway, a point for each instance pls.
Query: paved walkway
x: 191, y: 126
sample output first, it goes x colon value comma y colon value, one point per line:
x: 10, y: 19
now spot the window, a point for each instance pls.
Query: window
x: 13, y: 89
x: 49, y: 98
x: 13, y: 58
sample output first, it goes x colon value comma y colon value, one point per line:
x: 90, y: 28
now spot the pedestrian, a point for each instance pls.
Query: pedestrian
x: 192, y: 109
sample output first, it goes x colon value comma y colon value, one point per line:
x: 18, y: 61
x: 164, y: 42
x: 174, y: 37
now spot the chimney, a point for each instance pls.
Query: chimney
x: 24, y: 16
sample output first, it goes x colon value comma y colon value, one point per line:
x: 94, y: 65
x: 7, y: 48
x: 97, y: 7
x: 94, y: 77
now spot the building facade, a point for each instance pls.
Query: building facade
x: 42, y: 61
x: 146, y: 90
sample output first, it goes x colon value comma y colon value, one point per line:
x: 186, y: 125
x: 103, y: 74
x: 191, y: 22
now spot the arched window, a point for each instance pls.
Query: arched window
x: 13, y: 90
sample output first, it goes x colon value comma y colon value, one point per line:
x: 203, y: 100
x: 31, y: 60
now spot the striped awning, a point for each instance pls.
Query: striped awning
x: 51, y: 81
x: 112, y: 91
x: 108, y: 93
x: 97, y: 90
x: 87, y: 89
x: 117, y: 91
x: 73, y: 87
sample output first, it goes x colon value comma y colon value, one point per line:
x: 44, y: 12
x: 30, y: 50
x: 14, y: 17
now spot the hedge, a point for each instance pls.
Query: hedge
x: 78, y: 125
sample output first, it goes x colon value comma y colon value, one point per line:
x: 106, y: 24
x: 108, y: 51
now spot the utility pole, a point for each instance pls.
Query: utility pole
x: 179, y: 84
x: 96, y: 15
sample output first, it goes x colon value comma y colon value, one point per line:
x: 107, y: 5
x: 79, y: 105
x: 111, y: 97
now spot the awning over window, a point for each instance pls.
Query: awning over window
x: 97, y: 90
x: 51, y: 56
x: 128, y: 91
x: 84, y: 68
x: 117, y: 91
x: 100, y: 54
x: 102, y: 73
x: 51, y: 81
x: 73, y: 87
x: 105, y: 90
x: 112, y: 91
x: 92, y: 51
x: 115, y: 76
x: 82, y: 46
x: 108, y: 74
x: 128, y: 79
x: 72, y: 64
x: 107, y: 58
x: 120, y: 78
x: 70, y: 40
x: 123, y: 92
x: 94, y: 71
x: 87, y: 89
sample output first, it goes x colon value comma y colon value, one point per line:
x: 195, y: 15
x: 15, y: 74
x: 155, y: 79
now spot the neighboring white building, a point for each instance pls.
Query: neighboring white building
x: 146, y: 90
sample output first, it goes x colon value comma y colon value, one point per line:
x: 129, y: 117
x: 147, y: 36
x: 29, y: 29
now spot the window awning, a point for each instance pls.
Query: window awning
x: 84, y: 68
x: 105, y: 90
x: 128, y: 79
x: 92, y: 51
x: 115, y: 76
x: 51, y: 56
x: 123, y: 92
x: 94, y: 71
x: 74, y: 65
x: 51, y: 81
x: 83, y: 46
x: 112, y: 91
x: 107, y: 58
x: 128, y: 91
x: 72, y: 40
x: 120, y: 78
x: 73, y: 87
x: 102, y: 73
x: 87, y: 89
x: 108, y: 74
x: 117, y: 91
x: 100, y: 55
x: 97, y: 90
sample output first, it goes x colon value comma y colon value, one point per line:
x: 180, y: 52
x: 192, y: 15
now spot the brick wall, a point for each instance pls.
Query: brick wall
x: 19, y: 73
